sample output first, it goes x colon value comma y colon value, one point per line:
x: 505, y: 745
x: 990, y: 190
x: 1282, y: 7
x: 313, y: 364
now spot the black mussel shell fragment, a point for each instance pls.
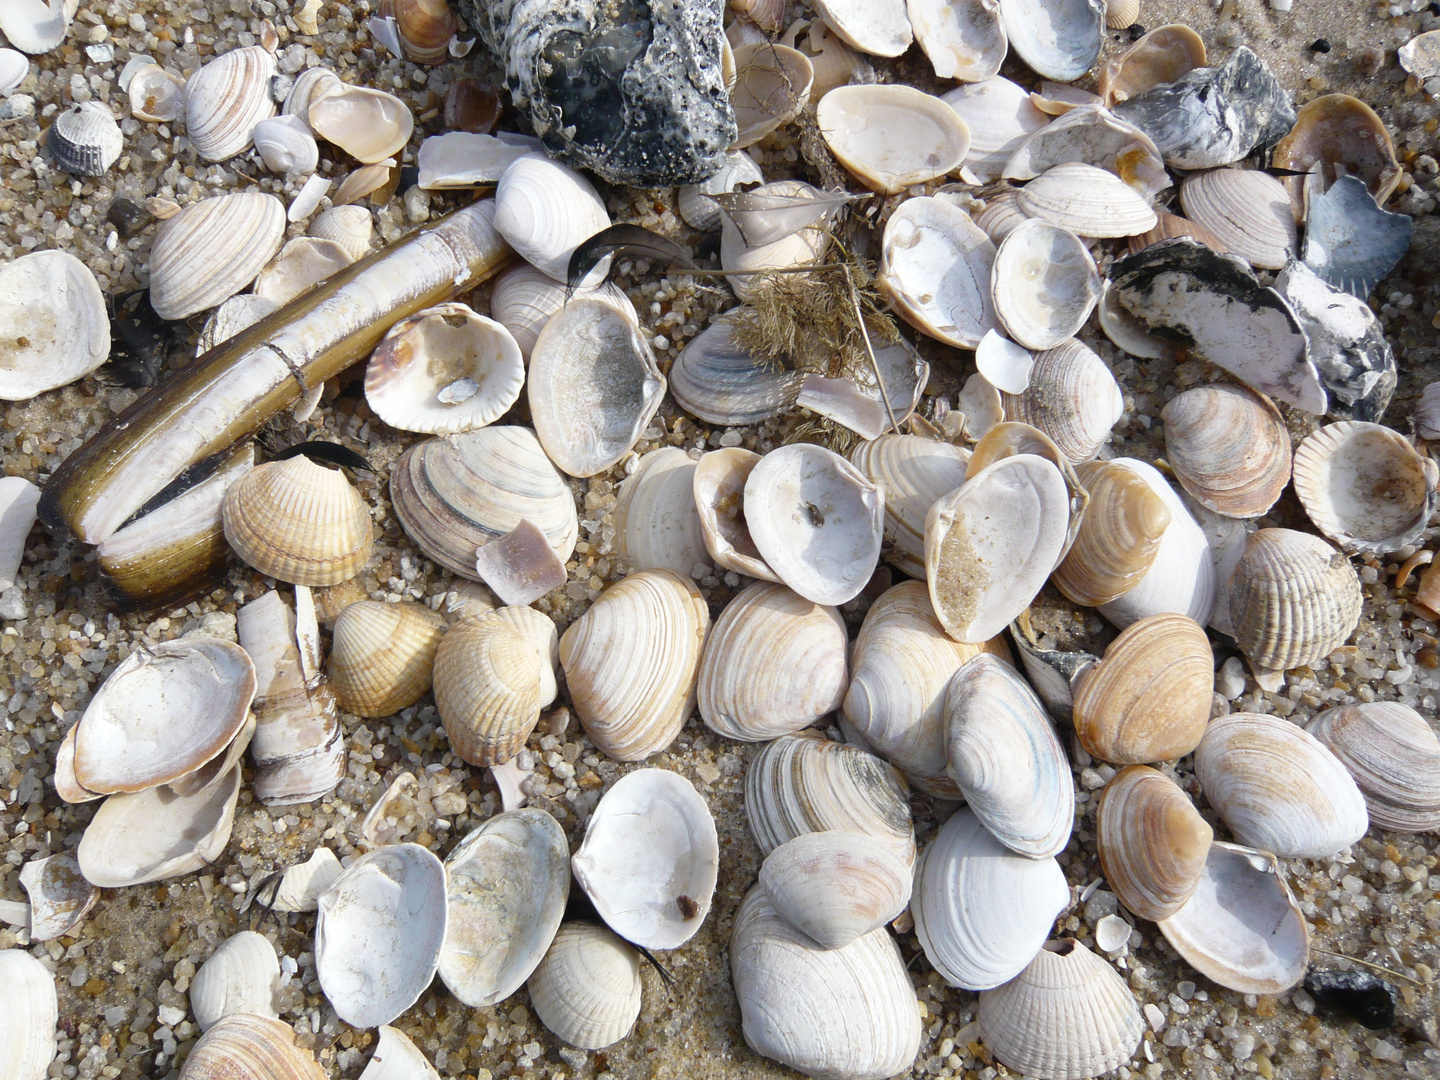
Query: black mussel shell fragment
x: 1350, y: 242
x: 143, y: 338
x: 1361, y: 997
x: 127, y: 217
x: 326, y: 453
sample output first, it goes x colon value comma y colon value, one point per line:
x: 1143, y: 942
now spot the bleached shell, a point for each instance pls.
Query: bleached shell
x: 772, y: 84
x: 1092, y: 135
x: 912, y: 472
x: 226, y: 98
x: 998, y: 112
x: 594, y: 384
x: 1068, y: 1015
x: 37, y: 26
x: 1152, y: 842
x: 1394, y: 756
x: 1086, y: 200
x: 797, y: 249
x: 1229, y: 448
x: 586, y: 990
x: 1127, y: 332
x: 507, y: 883
x: 773, y: 664
x: 631, y: 661
x: 1006, y: 758
x: 836, y: 886
x: 239, y: 977
x: 460, y: 159
x: 1044, y: 284
x: 300, y: 886
x: 32, y: 1010
x: 982, y: 911
x: 816, y: 521
x: 1119, y: 535
x: 397, y: 1058
x: 369, y: 125
x: 544, y: 210
x: 657, y: 526
x: 877, y: 27
x: 301, y: 265
x: 892, y: 136
x: 244, y: 1046
x: 719, y: 491
x: 458, y: 492
x: 693, y: 200
x: 487, y: 689
x: 991, y: 543
x: 51, y: 301
x: 1163, y: 55
x: 156, y: 95
x: 1247, y: 210
x: 834, y: 1014
x: 382, y: 656
x: 286, y: 145
x: 857, y: 403
x: 1001, y: 215
x: 60, y: 897
x: 85, y: 139
x: 211, y: 250
x: 1278, y: 788
x: 1072, y: 397
x: 14, y: 68
x: 523, y: 299
x: 964, y: 40
x: 935, y: 267
x: 801, y: 784
x: 1149, y: 698
x: 1242, y: 927
x: 1059, y: 39
x: 309, y: 87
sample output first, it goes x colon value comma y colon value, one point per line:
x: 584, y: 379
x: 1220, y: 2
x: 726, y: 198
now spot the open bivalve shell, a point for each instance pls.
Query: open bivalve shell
x: 586, y: 990
x: 912, y: 472
x: 1059, y: 39
x: 1088, y: 201
x: 835, y: 886
x: 211, y: 250
x: 544, y: 210
x: 1338, y: 135
x: 1229, y: 448
x: 650, y: 858
x: 369, y: 125
x: 1119, y: 535
x: 226, y: 98
x: 657, y: 523
x: 379, y: 932
x: 35, y: 27
x: 244, y: 1046
x: 1394, y: 756
x: 719, y: 490
x: 1092, y: 135
x: 523, y: 299
x: 1152, y: 841
x: 693, y: 200
x: 1350, y: 242
x: 878, y: 28
x: 60, y: 897
x: 772, y: 84
x: 1072, y: 397
x: 935, y: 267
x: 963, y: 40
x: 382, y: 656
x: 14, y: 67
x: 1044, y: 284
x: 487, y: 687
x: 1068, y: 1015
x: 50, y: 301
x: 720, y: 383
x: 1164, y: 55
x: 397, y: 1058
x: 892, y: 136
x: 32, y: 1009
x: 1248, y: 212
x: 998, y: 112
x: 240, y: 977
x: 507, y: 884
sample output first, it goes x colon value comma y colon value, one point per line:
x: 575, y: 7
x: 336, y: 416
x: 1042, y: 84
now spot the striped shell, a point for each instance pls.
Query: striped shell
x: 382, y: 656
x: 1072, y: 397
x: 1088, y: 201
x: 1247, y: 210
x: 1229, y: 448
x: 913, y: 472
x: 835, y: 886
x: 244, y: 1046
x: 226, y: 98
x: 1394, y: 756
x: 1152, y: 841
x: 1118, y: 538
x: 587, y: 988
x: 211, y: 250
x: 27, y: 1023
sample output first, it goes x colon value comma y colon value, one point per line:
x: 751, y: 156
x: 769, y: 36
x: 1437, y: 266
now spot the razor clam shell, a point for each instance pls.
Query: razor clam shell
x: 226, y: 98
x: 657, y: 524
x: 60, y: 897
x: 936, y: 267
x: 1393, y: 754
x: 1059, y: 39
x: 586, y: 989
x: 382, y: 656
x: 998, y: 112
x: 1247, y: 210
x: 1152, y: 842
x: 1228, y: 447
x: 239, y: 977
x: 1092, y: 135
x: 913, y: 472
x: 211, y: 250
x: 85, y: 139
x: 877, y: 27
x: 487, y: 688
x: 1350, y: 242
x: 30, y: 1016
x: 836, y: 886
x: 1072, y: 397
x: 892, y: 136
x: 693, y: 200
x: 964, y: 39
x: 51, y: 301
x: 719, y: 489
x: 1118, y: 538
x: 1086, y: 200
x: 720, y: 383
x: 1044, y: 283
x: 544, y: 210
x: 369, y: 125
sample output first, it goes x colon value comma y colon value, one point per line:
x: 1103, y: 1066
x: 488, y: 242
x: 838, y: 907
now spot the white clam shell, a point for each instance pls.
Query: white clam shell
x: 300, y: 886
x: 60, y: 897
x: 301, y: 265
x: 1247, y: 210
x: 211, y: 250
x: 50, y: 301
x: 892, y: 136
x: 244, y: 1044
x: 587, y: 988
x: 1394, y: 756
x: 693, y: 200
x: 32, y: 1009
x: 349, y: 226
x: 913, y: 472
x: 935, y: 267
x: 369, y: 125
x: 544, y: 210
x: 1071, y: 396
x: 1092, y: 135
x: 461, y: 159
x: 239, y: 977
x: 1044, y: 283
x: 836, y: 886
x: 719, y: 489
x: 1059, y: 39
x: 720, y: 383
x: 523, y: 299
x: 1004, y: 364
x: 1087, y: 200
x: 286, y: 144
x: 877, y: 27
x: 309, y: 87
x: 397, y: 1058
x: 1000, y: 116
x: 226, y: 98
x: 657, y: 525
x: 1001, y: 214
x: 37, y: 26
x: 964, y: 39
x: 85, y: 139
x: 13, y: 70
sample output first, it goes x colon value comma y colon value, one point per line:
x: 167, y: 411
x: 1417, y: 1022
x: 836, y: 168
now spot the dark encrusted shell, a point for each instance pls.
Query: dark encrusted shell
x: 1350, y: 242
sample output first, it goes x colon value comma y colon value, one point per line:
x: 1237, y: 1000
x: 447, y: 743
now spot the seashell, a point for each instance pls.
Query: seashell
x: 424, y: 28
x: 369, y: 125
x: 382, y: 656
x: 1228, y: 447
x: 880, y: 29
x: 1059, y: 39
x: 1247, y: 210
x: 1420, y: 56
x: 857, y: 404
x: 1152, y: 841
x: 891, y: 136
x: 240, y: 977
x: 1293, y: 599
x: 396, y: 1057
x: 523, y: 299
x: 363, y: 181
x: 508, y: 882
x: 544, y: 210
x: 998, y: 112
x: 657, y: 526
x: 27, y: 1025
x: 35, y: 27
x: 244, y: 1046
x: 801, y: 784
x: 772, y: 84
x: 379, y: 932
x: 1393, y: 755
x: 1170, y: 226
x: 978, y: 404
x: 1092, y: 135
x: 85, y: 139
x: 982, y: 911
x: 1006, y: 759
x: 1426, y: 413
x: 830, y: 1013
x: 631, y: 662
x: 768, y: 15
x: 1242, y: 927
x: 521, y: 566
x: 286, y: 145
x: 51, y: 301
x: 935, y: 267
x: 299, y: 887
x: 1226, y: 537
x: 348, y: 226
x: 14, y: 68
x: 1350, y: 243
x: 1121, y: 13
x: 1343, y: 137
x: 964, y: 41
x: 719, y: 486
x: 650, y: 858
x: 832, y: 59
x: 240, y: 312
x: 297, y: 521
x: 913, y: 472
x: 835, y: 887
x: 795, y: 249
x: 774, y: 212
x: 226, y: 98
x: 1086, y: 200
x: 1001, y: 215
x: 1164, y: 55
x: 816, y: 521
x: 1119, y: 535
x: 1072, y: 398
x: 1067, y: 1015
x: 693, y: 200
x: 60, y: 897
x: 487, y: 688
x: 773, y: 664
x: 586, y: 990
x: 211, y: 250
x: 1058, y: 98
x: 463, y: 159
x: 1044, y: 283
x: 1127, y: 332
x: 594, y: 385
x: 1278, y: 788
x: 539, y: 629
x: 458, y: 492
x: 302, y: 264
x: 309, y: 87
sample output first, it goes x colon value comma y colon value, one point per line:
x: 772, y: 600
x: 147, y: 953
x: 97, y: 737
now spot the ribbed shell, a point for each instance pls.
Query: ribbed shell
x: 913, y: 472
x: 587, y: 989
x: 349, y: 226
x: 487, y: 688
x: 1121, y: 13
x: 1149, y: 698
x: 226, y: 98
x: 523, y: 299
x: 720, y: 383
x: 85, y: 139
x: 1092, y: 135
x: 1229, y: 448
x: 1072, y: 397
x: 539, y: 629
x: 239, y: 977
x: 248, y: 1047
x: 27, y: 1023
x: 382, y: 656
x: 544, y: 210
x: 459, y: 492
x: 935, y: 267
x: 1152, y: 841
x: 631, y: 662
x: 657, y: 525
x: 773, y: 664
x: 1119, y: 535
x: 1170, y: 226
x: 835, y: 886
x: 299, y: 522
x: 1066, y: 1016
x: 1086, y: 200
x: 1294, y: 599
x: 1247, y: 210
x: 1278, y: 788
x: 1394, y: 756
x: 211, y: 250
x: 833, y: 1014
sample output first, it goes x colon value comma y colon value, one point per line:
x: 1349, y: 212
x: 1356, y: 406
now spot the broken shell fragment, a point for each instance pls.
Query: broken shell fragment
x: 1339, y: 135
x: 1229, y: 448
x: 936, y: 267
x: 56, y: 326
x: 586, y: 989
x: 299, y: 888
x: 1059, y: 39
x: 1350, y: 242
x: 382, y: 656
x: 211, y: 250
x: 487, y: 688
x: 32, y: 1010
x: 1092, y: 135
x: 693, y: 200
x: 302, y: 264
x: 1152, y: 842
x: 396, y: 1057
x: 963, y: 40
x: 521, y: 566
x: 835, y: 886
x: 85, y: 139
x: 892, y: 136
x: 239, y: 977
x: 369, y: 125
x: 1087, y: 200
x: 226, y: 98
x: 719, y: 489
x: 60, y: 897
x: 1247, y: 210
x: 1044, y: 284
x: 998, y: 112
x: 1394, y: 756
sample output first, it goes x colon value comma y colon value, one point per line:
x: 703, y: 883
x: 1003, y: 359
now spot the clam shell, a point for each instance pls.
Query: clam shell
x: 935, y: 267
x: 719, y: 490
x: 857, y: 403
x: 239, y: 977
x: 586, y: 990
x: 36, y: 27
x: 1086, y: 200
x: 1119, y: 535
x: 1002, y: 213
x: 1170, y: 226
x: 836, y: 886
x: 85, y: 139
x: 891, y: 136
x: 1059, y: 39
x: 631, y: 662
x: 693, y: 200
x: 32, y: 1009
x: 1229, y: 448
x: 487, y: 688
x: 998, y: 112
x: 773, y: 664
x: 1343, y: 137
x: 1044, y: 283
x: 657, y: 525
x: 211, y: 250
x: 1149, y: 698
x: 507, y: 883
x: 424, y: 27
x: 877, y: 27
x: 523, y: 299
x: 544, y: 210
x: 1092, y: 135
x: 1248, y: 212
x: 834, y: 1014
x: 60, y: 897
x: 1006, y: 759
x: 913, y: 472
x: 382, y: 656
x: 1072, y: 397
x: 286, y: 145
x: 1278, y: 788
x: 397, y: 1058
x: 244, y: 1046
x: 1121, y: 13
x: 462, y: 159
x: 369, y: 125
x: 982, y: 911
x: 1163, y: 55
x: 720, y: 383
x: 1152, y: 842
x: 791, y: 250
x: 309, y: 87
x: 51, y: 301
x: 1068, y: 1015
x: 772, y: 84
x: 301, y: 265
x: 963, y: 40
x: 14, y: 67
x: 226, y: 98
x: 1394, y: 756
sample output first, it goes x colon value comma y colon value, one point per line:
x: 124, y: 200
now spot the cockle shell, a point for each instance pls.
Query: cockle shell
x: 539, y: 629
x: 1059, y: 39
x: 586, y: 990
x: 722, y: 384
x: 226, y: 98
x: 544, y: 210
x: 382, y: 656
x: 286, y: 145
x: 85, y: 139
x: 211, y: 250
x: 1092, y: 135
x: 369, y: 125
x: 963, y: 40
x: 27, y: 1023
x: 1086, y: 200
x: 56, y: 326
x: 1121, y: 13
x: 523, y: 299
x: 1163, y: 55
x: 1072, y: 397
x: 878, y: 28
x: 835, y: 886
x: 1394, y: 756
x: 244, y: 1046
x: 1229, y: 448
x: 912, y: 472
x: 773, y: 663
x: 349, y: 226
x: 657, y: 525
x: 1152, y: 842
x: 998, y: 112
x: 719, y: 490
x: 631, y: 662
x: 487, y: 688
x: 1119, y: 535
x: 892, y: 136
x: 1044, y: 284
x: 60, y: 897
x: 935, y: 267
x: 1247, y: 210
x: 239, y: 977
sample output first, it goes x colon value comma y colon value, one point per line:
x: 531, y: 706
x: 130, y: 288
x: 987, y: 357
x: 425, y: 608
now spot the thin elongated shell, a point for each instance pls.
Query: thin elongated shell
x: 1152, y: 842
x: 773, y: 664
x: 1086, y: 200
x: 657, y: 525
x: 1394, y: 756
x: 835, y: 886
x: 964, y: 40
x: 1044, y: 284
x: 935, y: 267
x: 1092, y: 135
x: 1163, y: 55
x: 244, y: 1046
x: 60, y: 897
x: 1118, y: 538
x: 912, y: 472
x: 369, y: 125
x: 226, y: 98
x: 1068, y: 1015
x: 382, y: 656
x: 1229, y: 448
x: 239, y: 977
x: 587, y: 988
x: 631, y: 661
x: 27, y: 1023
x: 892, y: 136
x: 998, y: 112
x: 544, y: 210
x: 487, y: 688
x: 1247, y: 210
x: 211, y: 250
x: 719, y: 489
x: 1072, y: 397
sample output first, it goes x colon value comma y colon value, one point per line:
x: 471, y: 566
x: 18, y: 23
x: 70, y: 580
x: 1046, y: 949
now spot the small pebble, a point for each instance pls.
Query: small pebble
x: 1320, y: 45
x: 1136, y: 31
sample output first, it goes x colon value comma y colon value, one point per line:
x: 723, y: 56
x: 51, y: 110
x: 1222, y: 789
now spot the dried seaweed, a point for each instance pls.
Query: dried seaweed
x: 825, y: 432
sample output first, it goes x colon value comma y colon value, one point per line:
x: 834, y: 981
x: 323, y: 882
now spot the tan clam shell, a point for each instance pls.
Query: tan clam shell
x: 349, y: 226
x: 772, y: 84
x: 369, y: 125
x: 299, y: 522
x: 1118, y: 538
x: 424, y: 27
x: 1072, y: 397
x: 226, y: 98
x: 631, y: 662
x: 913, y: 472
x: 539, y: 629
x: 28, y: 1021
x: 773, y: 663
x: 1163, y: 55
x: 1152, y: 842
x: 1044, y: 283
x: 1170, y: 226
x: 587, y: 988
x: 1229, y: 448
x: 211, y: 250
x: 719, y: 489
x: 1149, y: 698
x: 1343, y: 136
x: 892, y: 136
x: 657, y: 523
x: 487, y: 688
x: 1247, y: 210
x: 1121, y: 13
x: 382, y: 656
x: 244, y: 1046
x: 1393, y: 754
x: 1087, y: 200
x: 835, y: 886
